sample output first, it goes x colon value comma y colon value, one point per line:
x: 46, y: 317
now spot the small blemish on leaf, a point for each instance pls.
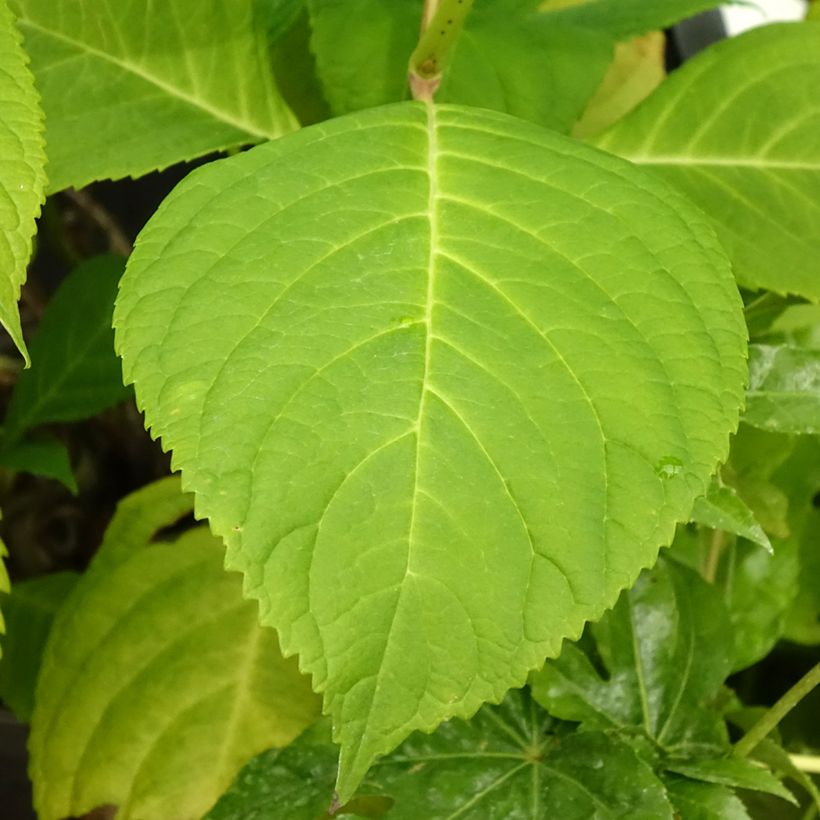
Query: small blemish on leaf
x: 668, y: 467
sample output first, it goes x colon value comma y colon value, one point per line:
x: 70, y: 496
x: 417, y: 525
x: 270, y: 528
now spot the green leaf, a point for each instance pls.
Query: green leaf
x: 739, y: 774
x: 29, y: 611
x: 723, y: 509
x: 666, y: 648
x: 784, y: 389
x: 128, y: 89
x: 47, y: 457
x: 626, y: 18
x: 734, y: 129
x: 502, y: 764
x: 157, y: 685
x: 512, y: 61
x: 22, y: 178
x: 5, y: 586
x: 75, y: 373
x: 403, y: 408
x: 704, y: 801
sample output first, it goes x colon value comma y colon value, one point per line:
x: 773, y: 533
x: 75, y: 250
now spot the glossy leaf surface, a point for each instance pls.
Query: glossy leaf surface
x: 705, y: 801
x: 128, y: 88
x: 784, y: 389
x: 735, y: 129
x: 157, y: 685
x: 502, y: 765
x: 22, y: 178
x: 29, y: 611
x: 75, y: 373
x: 411, y: 311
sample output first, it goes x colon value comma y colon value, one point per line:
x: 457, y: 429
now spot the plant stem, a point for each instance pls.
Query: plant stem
x: 806, y: 763
x: 716, y: 545
x: 442, y: 21
x: 774, y: 715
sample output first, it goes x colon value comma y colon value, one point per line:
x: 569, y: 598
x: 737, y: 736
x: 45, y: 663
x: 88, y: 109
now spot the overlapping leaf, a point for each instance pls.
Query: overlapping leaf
x: 735, y: 128
x: 128, y: 88
x: 723, y: 509
x: 22, y: 178
x: 157, y: 684
x: 377, y: 351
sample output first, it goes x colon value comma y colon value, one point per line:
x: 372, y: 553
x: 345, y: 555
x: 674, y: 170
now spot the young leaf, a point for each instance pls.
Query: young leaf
x: 784, y: 389
x: 46, y: 457
x: 734, y: 129
x: 514, y: 61
x: 626, y: 18
x: 401, y: 416
x: 502, y: 764
x: 75, y: 373
x: 732, y: 772
x: 22, y: 178
x: 723, y: 509
x: 29, y: 611
x: 695, y: 800
x: 666, y: 647
x: 129, y: 88
x: 157, y: 685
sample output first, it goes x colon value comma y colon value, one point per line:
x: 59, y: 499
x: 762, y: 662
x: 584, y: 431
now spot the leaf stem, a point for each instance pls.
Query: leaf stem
x: 442, y: 21
x: 716, y: 545
x: 806, y: 763
x: 780, y: 709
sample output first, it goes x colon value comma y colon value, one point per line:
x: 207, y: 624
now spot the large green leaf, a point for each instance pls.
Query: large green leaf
x: 29, y: 611
x: 784, y: 389
x: 157, y: 684
x: 626, y: 18
x: 22, y: 178
x: 509, y: 60
x: 735, y: 129
x: 74, y: 372
x: 129, y: 87
x: 421, y: 364
x: 666, y: 648
x: 502, y: 765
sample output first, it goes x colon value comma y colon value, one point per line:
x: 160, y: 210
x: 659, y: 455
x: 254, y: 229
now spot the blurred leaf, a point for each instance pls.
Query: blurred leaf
x: 704, y: 801
x: 4, y: 588
x: 657, y: 659
x: 47, y: 458
x: 128, y: 88
x: 29, y: 612
x: 740, y: 774
x: 637, y: 69
x: 507, y: 59
x: 22, y: 178
x: 722, y: 509
x: 157, y: 684
x: 784, y: 389
x: 501, y: 764
x: 75, y: 372
x: 735, y: 129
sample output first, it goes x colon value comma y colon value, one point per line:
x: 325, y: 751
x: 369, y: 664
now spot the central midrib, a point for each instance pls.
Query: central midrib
x: 138, y: 71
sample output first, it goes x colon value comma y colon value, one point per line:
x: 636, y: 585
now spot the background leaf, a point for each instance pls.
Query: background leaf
x: 734, y: 129
x: 29, y: 611
x: 22, y: 178
x: 75, y: 372
x: 127, y: 90
x: 723, y: 509
x: 45, y: 457
x: 412, y: 307
x: 157, y: 685
x: 784, y: 389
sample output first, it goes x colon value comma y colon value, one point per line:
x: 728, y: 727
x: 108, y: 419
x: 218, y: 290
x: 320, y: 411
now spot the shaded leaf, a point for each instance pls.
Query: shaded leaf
x: 509, y: 60
x: 22, y: 178
x: 412, y: 310
x: 734, y: 129
x: 129, y: 88
x: 157, y: 685
x: 75, y: 372
x: 784, y: 389
x: 657, y: 660
x: 704, y: 801
x: 739, y: 774
x: 47, y: 457
x: 501, y: 765
x: 723, y: 509
x: 29, y: 611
